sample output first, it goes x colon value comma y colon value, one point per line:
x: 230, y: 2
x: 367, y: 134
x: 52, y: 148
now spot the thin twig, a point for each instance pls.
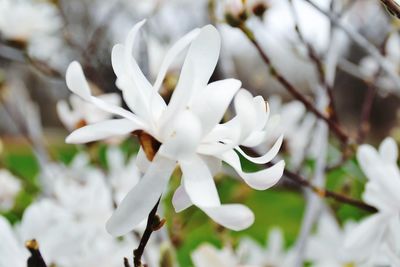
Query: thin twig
x: 153, y: 224
x: 322, y: 192
x: 392, y: 7
x: 333, y: 126
x: 362, y: 42
x: 36, y: 259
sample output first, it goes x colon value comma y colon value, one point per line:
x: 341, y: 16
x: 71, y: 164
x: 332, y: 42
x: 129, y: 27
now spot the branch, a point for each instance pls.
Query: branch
x: 36, y: 259
x: 154, y: 223
x: 335, y: 128
x: 322, y: 192
x: 361, y: 41
x: 392, y: 7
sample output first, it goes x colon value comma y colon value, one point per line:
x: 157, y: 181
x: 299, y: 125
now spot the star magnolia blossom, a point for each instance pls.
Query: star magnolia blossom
x: 23, y: 20
x: 188, y: 129
x: 382, y: 192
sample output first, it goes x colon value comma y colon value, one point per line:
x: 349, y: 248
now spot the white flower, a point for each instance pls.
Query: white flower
x: 82, y: 113
x: 207, y: 255
x: 188, y: 130
x: 24, y: 20
x: 10, y: 186
x: 274, y: 255
x: 382, y: 192
x: 325, y: 246
x: 12, y: 253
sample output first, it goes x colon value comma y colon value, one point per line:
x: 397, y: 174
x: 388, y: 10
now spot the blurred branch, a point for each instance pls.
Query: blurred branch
x: 316, y: 59
x: 333, y: 126
x: 362, y: 42
x: 36, y: 259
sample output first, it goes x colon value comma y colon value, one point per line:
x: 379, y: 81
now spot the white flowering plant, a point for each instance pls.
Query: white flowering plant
x: 199, y: 133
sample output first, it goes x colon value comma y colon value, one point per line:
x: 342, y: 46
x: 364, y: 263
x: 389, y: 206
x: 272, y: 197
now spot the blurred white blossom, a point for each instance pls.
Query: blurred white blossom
x: 10, y: 186
x: 380, y: 231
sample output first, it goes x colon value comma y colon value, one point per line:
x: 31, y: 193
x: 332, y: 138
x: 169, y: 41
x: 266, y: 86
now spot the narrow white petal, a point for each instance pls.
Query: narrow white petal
x: 267, y: 157
x: 76, y: 80
x: 199, y: 183
x: 236, y: 217
x: 367, y: 235
x: 181, y: 200
x: 141, y: 161
x: 102, y: 130
x: 171, y: 55
x: 68, y: 117
x: 246, y: 113
x: 368, y: 159
x: 259, y: 180
x: 197, y: 69
x: 211, y: 103
x: 388, y: 150
x: 136, y: 206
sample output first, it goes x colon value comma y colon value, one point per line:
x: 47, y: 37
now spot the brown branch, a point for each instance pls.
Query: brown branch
x: 322, y: 192
x: 392, y: 7
x: 36, y: 259
x: 333, y: 126
x: 154, y: 223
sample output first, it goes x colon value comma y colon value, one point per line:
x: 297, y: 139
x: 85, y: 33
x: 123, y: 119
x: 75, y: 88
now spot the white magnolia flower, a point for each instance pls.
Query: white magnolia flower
x: 325, y: 246
x: 274, y: 255
x: 207, y: 255
x: 380, y: 230
x: 10, y: 186
x: 82, y: 113
x: 188, y: 130
x: 24, y: 20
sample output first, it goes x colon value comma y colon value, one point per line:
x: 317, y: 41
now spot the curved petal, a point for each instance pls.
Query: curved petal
x: 76, y: 80
x: 67, y: 116
x: 102, y: 130
x: 182, y: 138
x: 236, y: 217
x: 197, y: 69
x: 199, y: 183
x: 141, y: 161
x: 11, y: 252
x: 267, y: 157
x: 181, y: 200
x: 259, y: 180
x: 138, y: 203
x: 211, y: 103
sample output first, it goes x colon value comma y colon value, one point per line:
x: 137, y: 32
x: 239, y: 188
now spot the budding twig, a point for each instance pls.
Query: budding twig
x: 36, y: 259
x: 333, y: 126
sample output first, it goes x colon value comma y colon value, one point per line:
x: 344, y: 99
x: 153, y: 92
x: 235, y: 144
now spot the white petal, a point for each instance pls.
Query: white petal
x: 246, y: 113
x: 68, y: 117
x: 236, y: 217
x: 388, y: 150
x: 172, y: 53
x: 76, y: 80
x: 367, y: 235
x: 368, y: 159
x: 259, y: 180
x: 11, y: 252
x: 267, y: 157
x: 137, y: 205
x: 141, y: 160
x: 199, y: 183
x: 181, y: 200
x: 197, y: 69
x: 211, y: 103
x: 183, y: 137
x: 102, y: 130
